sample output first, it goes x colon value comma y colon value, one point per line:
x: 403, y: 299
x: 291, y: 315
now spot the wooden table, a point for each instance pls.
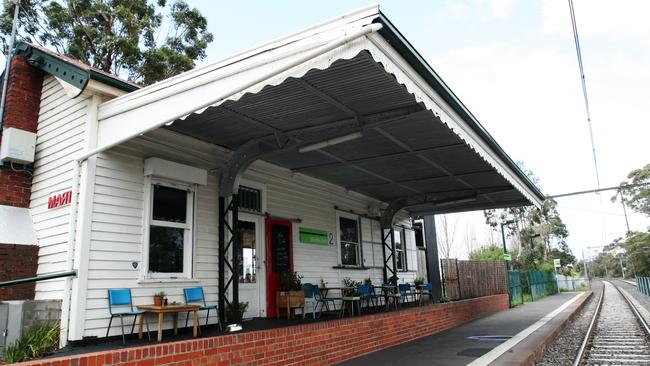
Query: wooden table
x: 161, y: 310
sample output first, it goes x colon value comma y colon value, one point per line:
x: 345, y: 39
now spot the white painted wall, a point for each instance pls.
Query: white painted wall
x: 60, y: 135
x: 117, y: 217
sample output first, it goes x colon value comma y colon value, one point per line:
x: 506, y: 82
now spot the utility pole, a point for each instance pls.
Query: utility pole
x: 584, y: 261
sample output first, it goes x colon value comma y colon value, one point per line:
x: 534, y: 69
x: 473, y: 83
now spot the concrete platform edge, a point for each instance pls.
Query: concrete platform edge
x: 531, y: 349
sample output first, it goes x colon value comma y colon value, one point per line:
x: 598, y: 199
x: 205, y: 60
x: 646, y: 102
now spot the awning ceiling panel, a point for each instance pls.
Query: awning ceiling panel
x: 404, y: 151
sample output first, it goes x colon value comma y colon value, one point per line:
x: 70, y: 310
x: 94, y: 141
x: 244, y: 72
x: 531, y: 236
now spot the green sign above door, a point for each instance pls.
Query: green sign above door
x: 313, y: 236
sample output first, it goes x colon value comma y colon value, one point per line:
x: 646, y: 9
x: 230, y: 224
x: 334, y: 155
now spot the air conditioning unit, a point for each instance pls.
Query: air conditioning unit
x: 17, y: 146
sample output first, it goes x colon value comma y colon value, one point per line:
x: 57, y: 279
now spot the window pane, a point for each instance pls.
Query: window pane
x: 247, y: 258
x: 250, y: 199
x: 349, y: 230
x: 166, y: 249
x: 169, y: 204
x: 398, y: 239
x: 400, y: 260
x: 349, y: 254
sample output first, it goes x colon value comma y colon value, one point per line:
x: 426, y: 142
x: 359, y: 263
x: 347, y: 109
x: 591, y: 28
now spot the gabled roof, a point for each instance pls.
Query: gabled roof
x: 68, y: 69
x: 386, y: 124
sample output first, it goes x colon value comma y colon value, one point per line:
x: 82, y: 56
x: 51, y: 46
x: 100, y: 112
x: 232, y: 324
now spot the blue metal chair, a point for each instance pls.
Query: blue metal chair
x: 195, y: 294
x: 376, y: 298
x: 122, y: 298
x: 405, y: 291
x: 363, y: 291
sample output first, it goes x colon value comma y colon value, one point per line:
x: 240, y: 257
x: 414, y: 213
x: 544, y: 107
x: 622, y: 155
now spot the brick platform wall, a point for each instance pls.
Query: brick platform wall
x: 323, y: 343
x: 17, y: 261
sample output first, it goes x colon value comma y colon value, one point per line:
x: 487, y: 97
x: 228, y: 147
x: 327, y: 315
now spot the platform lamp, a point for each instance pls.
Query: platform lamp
x: 503, y: 237
x: 505, y: 251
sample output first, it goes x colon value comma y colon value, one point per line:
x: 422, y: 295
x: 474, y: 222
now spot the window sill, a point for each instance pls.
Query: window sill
x: 148, y: 281
x: 362, y: 268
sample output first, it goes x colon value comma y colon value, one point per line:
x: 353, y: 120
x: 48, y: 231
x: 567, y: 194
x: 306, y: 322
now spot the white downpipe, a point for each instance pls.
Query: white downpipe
x: 69, y: 265
x: 371, y: 28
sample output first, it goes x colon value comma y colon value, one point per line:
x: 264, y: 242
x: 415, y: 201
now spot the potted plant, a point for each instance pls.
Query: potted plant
x: 352, y: 287
x: 290, y: 295
x: 159, y: 298
x: 367, y: 281
x: 243, y: 306
x: 419, y: 281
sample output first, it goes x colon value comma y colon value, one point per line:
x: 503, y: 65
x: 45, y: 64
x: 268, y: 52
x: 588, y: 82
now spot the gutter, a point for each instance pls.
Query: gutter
x: 420, y: 65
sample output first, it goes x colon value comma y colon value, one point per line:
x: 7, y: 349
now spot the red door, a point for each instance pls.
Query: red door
x: 279, y: 258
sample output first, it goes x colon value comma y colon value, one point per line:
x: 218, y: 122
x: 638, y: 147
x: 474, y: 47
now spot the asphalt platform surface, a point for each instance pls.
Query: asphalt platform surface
x: 464, y: 344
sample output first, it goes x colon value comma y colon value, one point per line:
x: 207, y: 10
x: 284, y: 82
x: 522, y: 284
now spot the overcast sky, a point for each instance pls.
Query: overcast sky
x: 513, y: 63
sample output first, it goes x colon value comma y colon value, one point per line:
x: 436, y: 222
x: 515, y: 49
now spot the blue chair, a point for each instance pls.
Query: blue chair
x: 313, y: 294
x: 195, y: 294
x: 405, y: 291
x: 363, y: 291
x: 122, y: 298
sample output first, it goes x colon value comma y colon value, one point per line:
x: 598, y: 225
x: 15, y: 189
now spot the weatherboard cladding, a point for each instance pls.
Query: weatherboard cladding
x: 60, y: 135
x: 117, y: 242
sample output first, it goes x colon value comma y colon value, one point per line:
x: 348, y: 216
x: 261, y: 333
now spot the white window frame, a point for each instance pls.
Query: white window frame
x: 189, y: 237
x: 402, y: 236
x: 354, y: 217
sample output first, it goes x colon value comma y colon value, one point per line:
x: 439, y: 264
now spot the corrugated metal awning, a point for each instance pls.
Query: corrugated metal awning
x: 409, y: 141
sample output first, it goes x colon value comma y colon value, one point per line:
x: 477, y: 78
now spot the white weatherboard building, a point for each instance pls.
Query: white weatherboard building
x: 317, y: 148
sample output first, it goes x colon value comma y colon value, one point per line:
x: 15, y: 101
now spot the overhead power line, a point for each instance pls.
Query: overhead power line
x: 584, y: 87
x: 624, y: 186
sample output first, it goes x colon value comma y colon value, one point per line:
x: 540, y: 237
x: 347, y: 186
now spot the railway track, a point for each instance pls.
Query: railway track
x: 617, y: 334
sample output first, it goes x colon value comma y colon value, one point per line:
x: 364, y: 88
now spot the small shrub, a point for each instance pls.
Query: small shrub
x: 445, y: 299
x: 37, y: 343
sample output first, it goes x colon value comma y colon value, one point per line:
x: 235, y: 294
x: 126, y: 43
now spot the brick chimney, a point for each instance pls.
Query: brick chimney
x: 21, y: 111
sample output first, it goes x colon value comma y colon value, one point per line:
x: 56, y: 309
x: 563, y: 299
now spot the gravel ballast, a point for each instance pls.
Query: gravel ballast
x: 565, y: 348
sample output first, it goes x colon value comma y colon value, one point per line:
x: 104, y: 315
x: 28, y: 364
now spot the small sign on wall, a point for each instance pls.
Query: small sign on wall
x: 59, y: 200
x: 314, y: 236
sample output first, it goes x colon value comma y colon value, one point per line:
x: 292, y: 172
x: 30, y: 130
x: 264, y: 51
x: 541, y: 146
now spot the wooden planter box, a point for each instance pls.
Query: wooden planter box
x: 289, y: 300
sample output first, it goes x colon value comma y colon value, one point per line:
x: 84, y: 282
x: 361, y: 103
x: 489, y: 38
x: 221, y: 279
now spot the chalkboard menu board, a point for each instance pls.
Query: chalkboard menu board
x: 281, y: 244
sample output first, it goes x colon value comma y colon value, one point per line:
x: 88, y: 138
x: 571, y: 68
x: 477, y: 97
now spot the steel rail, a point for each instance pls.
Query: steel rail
x: 636, y: 312
x: 592, y: 326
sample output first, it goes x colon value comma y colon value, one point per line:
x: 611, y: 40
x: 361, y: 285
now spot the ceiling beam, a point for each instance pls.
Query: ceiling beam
x: 379, y: 157
x: 418, y: 180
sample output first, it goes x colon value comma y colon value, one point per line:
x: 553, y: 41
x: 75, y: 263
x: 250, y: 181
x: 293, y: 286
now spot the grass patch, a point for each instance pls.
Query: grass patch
x: 37, y: 343
x: 528, y: 297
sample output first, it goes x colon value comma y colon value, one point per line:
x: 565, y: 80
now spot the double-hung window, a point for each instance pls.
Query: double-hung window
x: 400, y: 249
x: 170, y: 230
x: 349, y: 239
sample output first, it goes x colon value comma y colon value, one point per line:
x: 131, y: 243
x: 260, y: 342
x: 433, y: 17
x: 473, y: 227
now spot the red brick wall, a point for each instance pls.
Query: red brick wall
x: 322, y: 343
x: 21, y: 111
x: 17, y: 261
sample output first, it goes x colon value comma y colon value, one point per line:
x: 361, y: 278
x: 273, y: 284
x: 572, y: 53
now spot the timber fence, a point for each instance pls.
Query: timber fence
x: 468, y: 279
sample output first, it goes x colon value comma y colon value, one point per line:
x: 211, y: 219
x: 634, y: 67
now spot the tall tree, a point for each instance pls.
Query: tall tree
x: 136, y: 39
x: 535, y: 232
x: 447, y: 235
x: 637, y: 193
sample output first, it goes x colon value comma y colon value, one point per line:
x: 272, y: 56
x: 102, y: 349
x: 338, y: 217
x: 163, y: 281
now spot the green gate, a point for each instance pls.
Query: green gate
x: 541, y: 283
x: 514, y: 288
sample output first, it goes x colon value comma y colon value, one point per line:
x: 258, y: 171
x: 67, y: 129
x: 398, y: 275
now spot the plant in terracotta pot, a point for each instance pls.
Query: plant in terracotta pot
x: 290, y: 295
x: 159, y: 298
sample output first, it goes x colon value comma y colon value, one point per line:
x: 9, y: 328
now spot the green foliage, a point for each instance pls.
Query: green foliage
x: 37, y: 343
x: 445, y: 298
x: 347, y: 282
x: 160, y: 294
x: 419, y: 281
x: 491, y: 253
x: 637, y: 254
x: 138, y: 39
x: 637, y: 197
x: 290, y: 281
